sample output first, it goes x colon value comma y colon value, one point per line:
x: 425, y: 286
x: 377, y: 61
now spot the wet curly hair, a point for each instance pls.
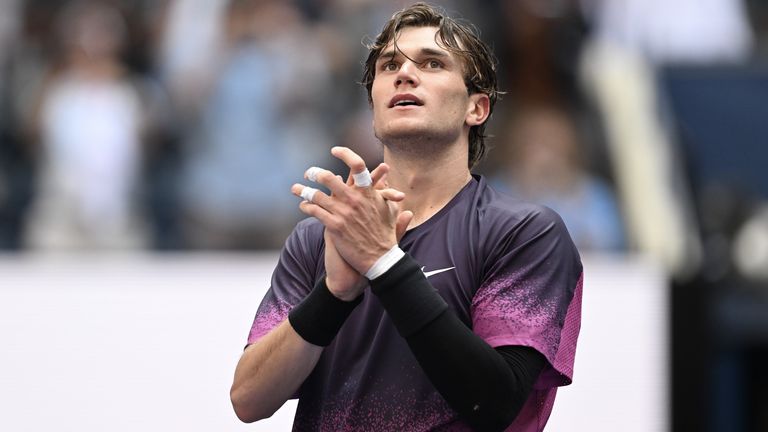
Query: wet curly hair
x: 457, y: 37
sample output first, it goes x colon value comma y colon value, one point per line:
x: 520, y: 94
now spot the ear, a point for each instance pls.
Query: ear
x: 478, y: 110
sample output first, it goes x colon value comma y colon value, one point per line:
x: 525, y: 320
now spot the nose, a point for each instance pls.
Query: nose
x: 408, y: 74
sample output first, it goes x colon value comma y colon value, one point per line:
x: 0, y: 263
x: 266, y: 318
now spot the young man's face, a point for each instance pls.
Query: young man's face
x: 422, y: 95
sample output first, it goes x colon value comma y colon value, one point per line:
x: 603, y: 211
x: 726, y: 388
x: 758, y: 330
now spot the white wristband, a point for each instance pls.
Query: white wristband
x: 385, y: 263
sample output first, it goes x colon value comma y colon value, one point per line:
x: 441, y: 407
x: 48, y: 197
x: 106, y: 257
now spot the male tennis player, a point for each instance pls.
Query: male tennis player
x: 417, y: 298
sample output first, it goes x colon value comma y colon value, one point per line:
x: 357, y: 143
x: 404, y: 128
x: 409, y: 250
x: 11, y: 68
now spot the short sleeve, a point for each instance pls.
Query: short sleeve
x: 531, y: 292
x: 295, y: 274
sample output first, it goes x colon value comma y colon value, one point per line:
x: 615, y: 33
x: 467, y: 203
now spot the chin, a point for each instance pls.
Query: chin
x: 417, y: 141
x: 401, y: 135
x: 400, y: 129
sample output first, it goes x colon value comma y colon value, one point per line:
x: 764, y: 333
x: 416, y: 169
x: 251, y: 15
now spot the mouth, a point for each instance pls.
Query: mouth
x: 404, y: 100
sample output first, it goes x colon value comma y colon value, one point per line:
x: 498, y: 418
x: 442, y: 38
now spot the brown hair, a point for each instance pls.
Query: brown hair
x: 459, y: 38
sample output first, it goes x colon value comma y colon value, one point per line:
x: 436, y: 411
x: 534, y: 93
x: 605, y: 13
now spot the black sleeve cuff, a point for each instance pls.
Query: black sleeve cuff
x: 409, y: 299
x: 319, y: 317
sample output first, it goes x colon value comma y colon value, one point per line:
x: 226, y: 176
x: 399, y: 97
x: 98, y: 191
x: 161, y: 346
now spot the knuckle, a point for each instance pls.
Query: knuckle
x: 344, y: 213
x: 335, y: 225
x: 355, y: 203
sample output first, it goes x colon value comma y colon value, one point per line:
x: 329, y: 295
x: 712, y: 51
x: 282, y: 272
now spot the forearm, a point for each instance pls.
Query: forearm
x: 485, y: 387
x: 270, y: 371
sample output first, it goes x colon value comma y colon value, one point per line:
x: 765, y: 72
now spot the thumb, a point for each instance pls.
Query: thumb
x: 403, y: 219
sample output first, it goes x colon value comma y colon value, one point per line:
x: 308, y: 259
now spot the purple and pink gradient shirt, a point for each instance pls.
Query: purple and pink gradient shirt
x: 509, y: 271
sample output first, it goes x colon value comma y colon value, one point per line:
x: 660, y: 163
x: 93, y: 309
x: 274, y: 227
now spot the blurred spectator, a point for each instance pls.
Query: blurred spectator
x: 540, y: 43
x: 88, y: 122
x: 187, y: 50
x: 543, y: 164
x: 257, y: 129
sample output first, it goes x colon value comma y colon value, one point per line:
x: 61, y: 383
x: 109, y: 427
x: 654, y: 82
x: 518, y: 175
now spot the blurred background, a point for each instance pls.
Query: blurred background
x: 173, y: 128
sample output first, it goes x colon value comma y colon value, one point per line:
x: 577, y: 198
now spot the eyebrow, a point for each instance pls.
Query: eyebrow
x: 424, y: 52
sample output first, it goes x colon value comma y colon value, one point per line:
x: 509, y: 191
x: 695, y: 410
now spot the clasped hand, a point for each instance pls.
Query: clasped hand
x: 361, y: 223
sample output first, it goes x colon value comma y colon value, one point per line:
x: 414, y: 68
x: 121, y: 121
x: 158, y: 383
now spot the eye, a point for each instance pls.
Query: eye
x: 389, y: 66
x: 434, y: 64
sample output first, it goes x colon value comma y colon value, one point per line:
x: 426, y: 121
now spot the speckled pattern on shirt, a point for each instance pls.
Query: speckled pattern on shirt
x: 515, y: 278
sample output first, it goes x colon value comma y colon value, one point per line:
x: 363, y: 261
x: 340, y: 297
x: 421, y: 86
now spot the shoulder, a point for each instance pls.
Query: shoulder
x: 304, y: 246
x: 302, y: 254
x: 509, y: 225
x: 505, y: 211
x: 309, y: 227
x: 306, y: 237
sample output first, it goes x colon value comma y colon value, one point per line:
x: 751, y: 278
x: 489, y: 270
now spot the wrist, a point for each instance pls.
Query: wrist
x: 385, y: 262
x: 319, y: 317
x: 344, y: 294
x: 409, y: 299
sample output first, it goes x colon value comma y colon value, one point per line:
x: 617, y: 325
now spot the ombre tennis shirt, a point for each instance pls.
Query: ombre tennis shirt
x: 507, y: 269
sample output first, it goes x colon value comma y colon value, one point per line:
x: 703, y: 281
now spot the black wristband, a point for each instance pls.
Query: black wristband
x: 319, y: 317
x: 409, y: 299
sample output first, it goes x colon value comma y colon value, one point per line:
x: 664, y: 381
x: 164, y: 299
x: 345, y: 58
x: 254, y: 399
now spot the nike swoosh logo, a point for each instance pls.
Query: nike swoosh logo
x: 434, y: 272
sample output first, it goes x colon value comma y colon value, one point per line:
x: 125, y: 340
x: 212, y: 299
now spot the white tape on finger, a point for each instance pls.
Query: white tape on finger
x: 363, y: 179
x: 308, y: 193
x: 312, y: 172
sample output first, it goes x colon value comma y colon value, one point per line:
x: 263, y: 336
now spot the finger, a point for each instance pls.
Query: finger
x: 401, y: 226
x: 356, y: 166
x: 363, y: 179
x: 325, y: 178
x: 318, y: 212
x: 379, y: 174
x: 312, y: 195
x: 307, y: 193
x: 355, y: 163
x: 311, y: 173
x: 382, y: 183
x: 392, y: 195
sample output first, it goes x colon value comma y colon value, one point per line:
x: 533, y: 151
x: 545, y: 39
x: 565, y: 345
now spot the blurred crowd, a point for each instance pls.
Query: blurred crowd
x: 181, y: 124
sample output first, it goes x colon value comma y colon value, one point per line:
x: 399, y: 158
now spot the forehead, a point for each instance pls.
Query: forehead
x: 414, y: 39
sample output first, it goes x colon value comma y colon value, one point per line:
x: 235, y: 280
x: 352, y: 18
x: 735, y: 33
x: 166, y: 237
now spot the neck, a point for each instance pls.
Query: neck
x: 429, y: 181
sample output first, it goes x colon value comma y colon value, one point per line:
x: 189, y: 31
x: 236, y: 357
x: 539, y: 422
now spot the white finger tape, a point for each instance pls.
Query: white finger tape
x: 312, y: 172
x: 363, y: 179
x: 308, y: 193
